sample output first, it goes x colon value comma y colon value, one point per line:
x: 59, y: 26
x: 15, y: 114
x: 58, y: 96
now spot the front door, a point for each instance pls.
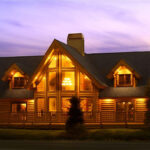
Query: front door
x: 125, y: 111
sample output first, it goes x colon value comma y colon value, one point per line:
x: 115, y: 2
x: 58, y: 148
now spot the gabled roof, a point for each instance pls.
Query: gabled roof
x: 84, y: 64
x: 96, y: 65
x: 139, y: 61
x: 10, y: 69
x: 123, y: 92
x: 122, y: 63
x: 26, y: 63
x: 17, y: 94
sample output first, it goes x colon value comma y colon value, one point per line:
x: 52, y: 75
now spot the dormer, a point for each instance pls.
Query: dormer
x: 18, y: 80
x: 16, y: 77
x: 123, y: 75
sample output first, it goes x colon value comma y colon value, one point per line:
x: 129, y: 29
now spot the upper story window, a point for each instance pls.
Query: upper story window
x: 66, y: 62
x: 53, y: 63
x: 68, y: 80
x: 85, y: 83
x: 41, y: 85
x: 123, y: 77
x: 124, y: 80
x: 18, y: 80
x: 68, y: 74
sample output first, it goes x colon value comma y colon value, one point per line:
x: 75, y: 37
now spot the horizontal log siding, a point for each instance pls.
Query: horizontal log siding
x: 107, y: 107
x: 140, y: 108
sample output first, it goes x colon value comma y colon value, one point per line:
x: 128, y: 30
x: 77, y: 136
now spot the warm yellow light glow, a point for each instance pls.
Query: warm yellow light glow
x: 12, y: 73
x: 66, y: 62
x: 141, y: 99
x: 24, y: 105
x: 122, y: 70
x: 86, y: 77
x: 41, y: 85
x: 129, y: 103
x: 53, y: 61
x: 31, y: 101
x: 123, y: 103
x: 67, y: 81
x: 108, y: 100
x: 18, y: 74
x: 65, y: 104
x: 55, y: 58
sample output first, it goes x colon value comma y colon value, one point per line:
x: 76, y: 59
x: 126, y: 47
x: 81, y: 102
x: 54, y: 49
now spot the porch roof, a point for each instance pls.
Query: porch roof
x: 17, y: 94
x: 120, y: 92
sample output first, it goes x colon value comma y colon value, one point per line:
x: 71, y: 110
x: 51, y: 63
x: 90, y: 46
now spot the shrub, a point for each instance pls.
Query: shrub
x: 75, y: 123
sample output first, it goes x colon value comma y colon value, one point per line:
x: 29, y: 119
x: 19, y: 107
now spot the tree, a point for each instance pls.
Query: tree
x: 75, y: 122
x: 147, y: 114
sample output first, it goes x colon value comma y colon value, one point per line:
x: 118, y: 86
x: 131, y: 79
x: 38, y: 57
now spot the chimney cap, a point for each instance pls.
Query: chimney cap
x: 75, y: 36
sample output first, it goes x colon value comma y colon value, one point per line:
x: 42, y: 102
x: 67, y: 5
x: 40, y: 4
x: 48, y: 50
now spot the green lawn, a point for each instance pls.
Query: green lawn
x: 98, y: 134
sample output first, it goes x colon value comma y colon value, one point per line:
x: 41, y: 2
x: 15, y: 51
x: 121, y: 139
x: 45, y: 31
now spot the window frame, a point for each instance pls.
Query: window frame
x: 49, y: 104
x: 67, y: 97
x: 83, y: 91
x: 56, y: 80
x: 61, y: 80
x: 20, y: 104
x: 62, y: 67
x: 92, y: 102
x: 124, y: 84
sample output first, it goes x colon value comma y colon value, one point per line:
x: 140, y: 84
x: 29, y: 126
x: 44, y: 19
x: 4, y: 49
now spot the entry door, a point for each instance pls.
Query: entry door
x: 124, y: 111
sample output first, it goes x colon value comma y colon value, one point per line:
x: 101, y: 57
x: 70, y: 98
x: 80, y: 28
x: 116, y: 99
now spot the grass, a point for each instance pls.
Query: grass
x: 31, y: 134
x: 97, y: 134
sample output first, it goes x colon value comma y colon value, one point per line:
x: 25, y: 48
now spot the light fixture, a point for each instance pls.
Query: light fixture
x: 67, y: 81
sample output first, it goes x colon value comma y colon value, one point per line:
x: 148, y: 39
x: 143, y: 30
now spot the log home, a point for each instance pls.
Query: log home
x: 35, y: 90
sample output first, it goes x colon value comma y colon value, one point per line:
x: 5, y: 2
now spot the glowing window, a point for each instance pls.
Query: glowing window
x: 19, y: 107
x: 68, y: 81
x: 85, y: 83
x: 19, y: 80
x: 86, y: 104
x: 52, y: 81
x: 66, y: 62
x: 123, y: 76
x: 65, y: 104
x: 40, y: 107
x: 124, y: 79
x: 52, y: 104
x: 41, y: 85
x: 53, y: 62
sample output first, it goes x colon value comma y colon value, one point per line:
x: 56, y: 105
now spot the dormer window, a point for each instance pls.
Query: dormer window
x: 123, y: 77
x: 124, y: 80
x: 18, y: 80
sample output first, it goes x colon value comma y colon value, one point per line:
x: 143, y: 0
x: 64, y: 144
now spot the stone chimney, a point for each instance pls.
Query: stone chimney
x: 76, y: 40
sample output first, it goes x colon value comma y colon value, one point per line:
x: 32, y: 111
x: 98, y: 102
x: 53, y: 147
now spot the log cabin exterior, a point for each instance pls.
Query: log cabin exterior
x: 35, y: 90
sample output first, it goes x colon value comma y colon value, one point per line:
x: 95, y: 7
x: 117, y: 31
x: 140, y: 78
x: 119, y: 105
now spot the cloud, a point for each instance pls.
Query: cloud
x: 107, y: 25
x: 13, y: 23
x: 13, y: 49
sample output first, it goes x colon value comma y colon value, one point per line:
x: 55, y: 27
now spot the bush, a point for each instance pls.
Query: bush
x: 75, y: 123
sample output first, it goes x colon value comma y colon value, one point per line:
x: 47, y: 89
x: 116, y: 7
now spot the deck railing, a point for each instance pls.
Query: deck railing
x: 61, y: 117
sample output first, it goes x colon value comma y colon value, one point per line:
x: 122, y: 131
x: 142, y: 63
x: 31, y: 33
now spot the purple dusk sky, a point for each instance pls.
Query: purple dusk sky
x: 27, y: 27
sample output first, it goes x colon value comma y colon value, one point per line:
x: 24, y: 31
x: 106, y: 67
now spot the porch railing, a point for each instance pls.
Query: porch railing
x: 61, y: 117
